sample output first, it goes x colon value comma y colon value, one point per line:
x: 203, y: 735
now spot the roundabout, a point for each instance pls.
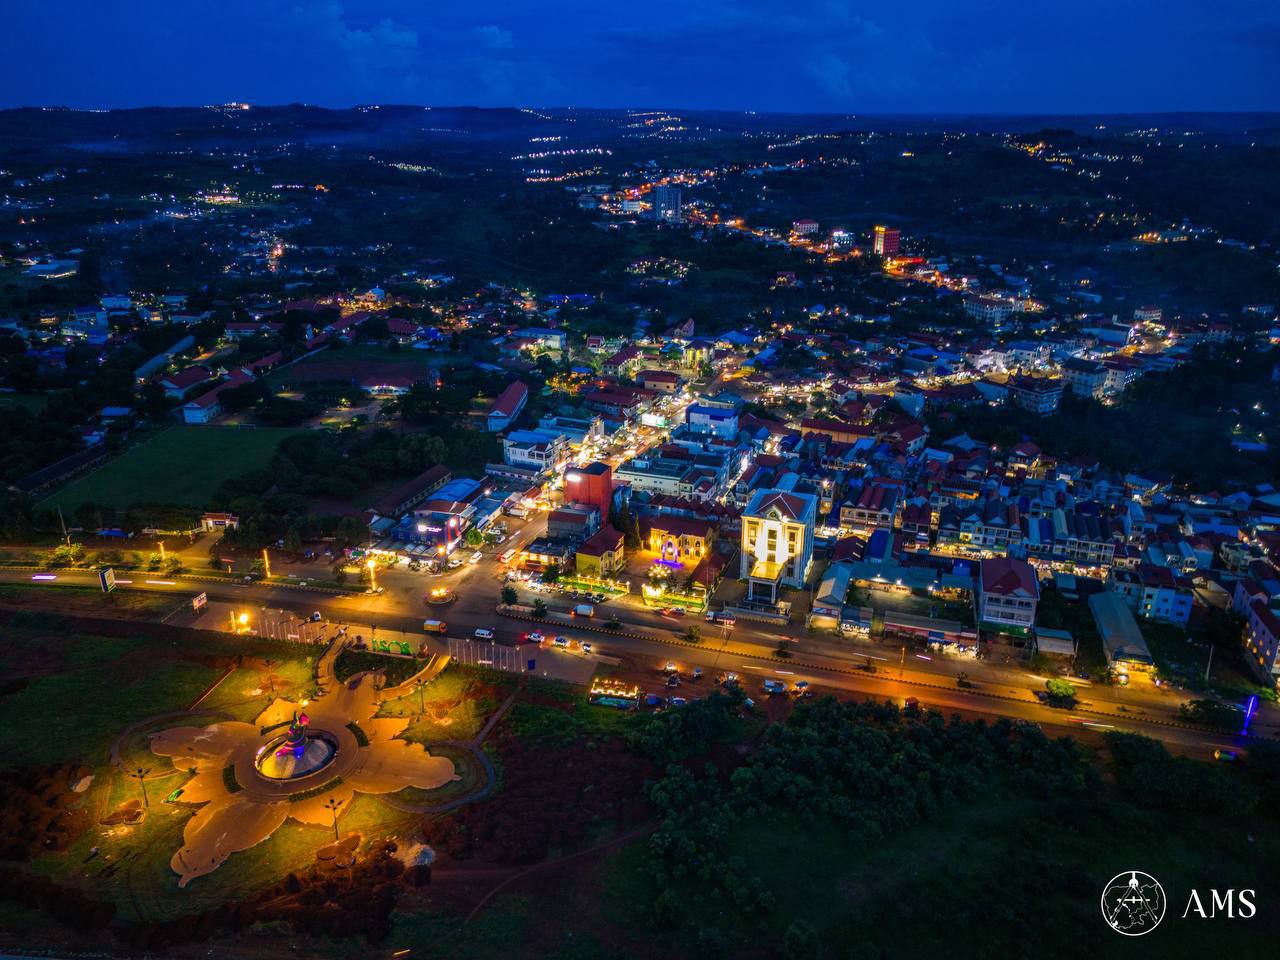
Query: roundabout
x: 300, y: 761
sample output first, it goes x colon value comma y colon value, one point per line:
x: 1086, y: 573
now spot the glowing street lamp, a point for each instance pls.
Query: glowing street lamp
x: 373, y: 574
x: 332, y: 804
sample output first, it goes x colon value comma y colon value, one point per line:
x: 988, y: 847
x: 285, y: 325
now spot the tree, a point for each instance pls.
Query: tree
x: 473, y: 537
x: 539, y: 608
x: 551, y: 574
x: 693, y: 634
x: 350, y: 532
x: 1061, y: 691
x: 1213, y: 713
x: 509, y: 595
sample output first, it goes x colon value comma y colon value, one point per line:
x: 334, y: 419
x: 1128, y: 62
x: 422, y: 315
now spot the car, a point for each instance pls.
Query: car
x: 774, y: 686
x: 454, y: 563
x: 669, y: 612
x: 673, y: 680
x: 316, y: 617
x: 725, y: 619
x: 586, y: 646
x: 670, y: 667
x: 1225, y: 756
x: 558, y: 641
x: 911, y: 706
x: 678, y: 701
x: 476, y: 557
x: 697, y: 673
x: 535, y: 637
x: 483, y: 633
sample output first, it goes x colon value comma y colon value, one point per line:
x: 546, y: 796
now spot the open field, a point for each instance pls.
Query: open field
x: 184, y: 465
x: 356, y: 362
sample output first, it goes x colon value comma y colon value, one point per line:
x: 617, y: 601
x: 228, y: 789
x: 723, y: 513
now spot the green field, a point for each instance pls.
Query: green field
x: 184, y: 466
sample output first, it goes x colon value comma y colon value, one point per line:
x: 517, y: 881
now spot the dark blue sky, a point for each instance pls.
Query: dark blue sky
x: 792, y: 55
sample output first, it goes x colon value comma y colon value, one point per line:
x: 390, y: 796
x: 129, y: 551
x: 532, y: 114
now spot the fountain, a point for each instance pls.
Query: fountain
x: 299, y: 753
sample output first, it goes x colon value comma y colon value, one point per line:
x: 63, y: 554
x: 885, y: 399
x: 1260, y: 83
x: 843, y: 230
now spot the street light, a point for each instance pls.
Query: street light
x: 373, y: 575
x: 332, y: 804
x: 140, y: 775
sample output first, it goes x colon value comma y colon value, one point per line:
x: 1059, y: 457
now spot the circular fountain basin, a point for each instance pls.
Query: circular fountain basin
x: 278, y: 761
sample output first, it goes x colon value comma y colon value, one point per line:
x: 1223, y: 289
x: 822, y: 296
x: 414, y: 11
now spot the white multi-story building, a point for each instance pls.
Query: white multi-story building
x: 777, y: 542
x: 541, y: 449
x: 1008, y: 592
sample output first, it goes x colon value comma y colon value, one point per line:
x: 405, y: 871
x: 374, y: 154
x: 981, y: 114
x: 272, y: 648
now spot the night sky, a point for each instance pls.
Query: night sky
x: 1005, y: 56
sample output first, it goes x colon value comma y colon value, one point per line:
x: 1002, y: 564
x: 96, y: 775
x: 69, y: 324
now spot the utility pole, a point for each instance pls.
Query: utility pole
x: 1208, y: 663
x: 66, y: 537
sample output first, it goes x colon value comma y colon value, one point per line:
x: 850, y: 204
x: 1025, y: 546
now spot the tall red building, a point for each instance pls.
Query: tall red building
x: 591, y: 485
x: 886, y: 240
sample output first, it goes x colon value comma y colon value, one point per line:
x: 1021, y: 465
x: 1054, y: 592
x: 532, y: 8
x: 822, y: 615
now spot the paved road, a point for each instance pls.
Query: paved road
x: 996, y: 690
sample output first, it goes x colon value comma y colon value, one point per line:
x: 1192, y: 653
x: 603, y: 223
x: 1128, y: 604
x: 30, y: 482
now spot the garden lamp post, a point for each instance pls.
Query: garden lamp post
x: 332, y: 804
x: 141, y: 776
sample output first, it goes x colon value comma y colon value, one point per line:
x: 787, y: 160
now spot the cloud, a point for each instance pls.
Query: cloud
x: 371, y: 52
x: 495, y: 38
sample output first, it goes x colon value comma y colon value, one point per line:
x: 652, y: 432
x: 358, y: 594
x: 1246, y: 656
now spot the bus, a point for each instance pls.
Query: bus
x: 434, y: 626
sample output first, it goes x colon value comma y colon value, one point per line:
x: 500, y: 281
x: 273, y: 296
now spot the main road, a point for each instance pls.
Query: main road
x: 647, y: 641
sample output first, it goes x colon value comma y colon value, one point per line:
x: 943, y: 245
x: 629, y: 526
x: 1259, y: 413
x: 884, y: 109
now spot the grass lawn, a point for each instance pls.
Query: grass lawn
x: 184, y: 465
x: 246, y: 691
x: 457, y: 702
x: 102, y: 685
x: 397, y: 669
x: 132, y: 868
x: 86, y: 601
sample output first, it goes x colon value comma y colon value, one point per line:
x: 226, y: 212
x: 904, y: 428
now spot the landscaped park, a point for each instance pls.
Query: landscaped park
x: 169, y: 791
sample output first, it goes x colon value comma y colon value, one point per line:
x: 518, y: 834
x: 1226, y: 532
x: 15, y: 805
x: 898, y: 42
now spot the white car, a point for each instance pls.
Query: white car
x: 476, y: 557
x: 483, y: 634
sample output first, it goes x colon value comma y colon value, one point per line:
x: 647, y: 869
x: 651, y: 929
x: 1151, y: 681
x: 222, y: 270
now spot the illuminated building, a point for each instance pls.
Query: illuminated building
x: 777, y: 542
x: 886, y: 240
x: 591, y: 485
x: 667, y: 205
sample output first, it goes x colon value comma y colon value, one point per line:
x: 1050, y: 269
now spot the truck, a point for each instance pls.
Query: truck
x: 434, y: 626
x: 584, y: 610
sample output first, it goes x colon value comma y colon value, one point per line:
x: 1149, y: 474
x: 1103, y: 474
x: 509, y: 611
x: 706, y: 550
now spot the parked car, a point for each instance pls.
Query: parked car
x: 535, y: 637
x: 586, y: 646
x: 558, y: 641
x: 483, y: 633
x: 476, y: 557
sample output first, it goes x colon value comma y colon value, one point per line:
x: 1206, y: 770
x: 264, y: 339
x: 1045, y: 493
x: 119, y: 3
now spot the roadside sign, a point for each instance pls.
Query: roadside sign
x: 107, y: 579
x: 533, y: 665
x: 199, y: 600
